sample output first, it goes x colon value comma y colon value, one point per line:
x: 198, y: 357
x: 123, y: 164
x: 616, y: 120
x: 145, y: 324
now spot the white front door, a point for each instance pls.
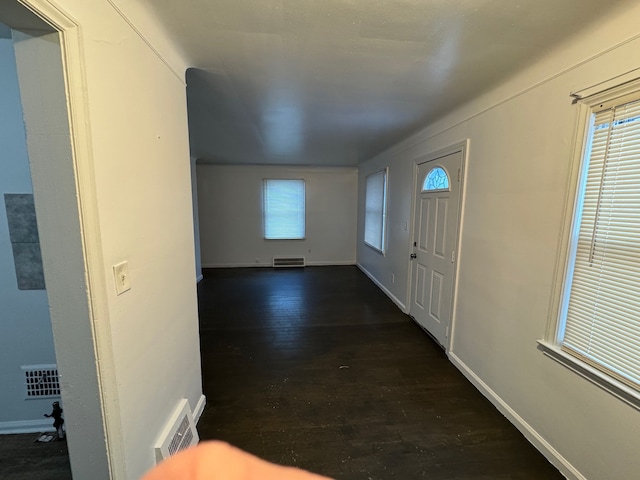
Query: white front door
x: 435, y: 235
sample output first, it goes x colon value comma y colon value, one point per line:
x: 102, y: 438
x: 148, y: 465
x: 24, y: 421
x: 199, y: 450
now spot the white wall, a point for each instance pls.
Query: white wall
x: 131, y: 162
x: 389, y: 271
x: 143, y: 193
x: 25, y: 326
x: 522, y: 136
x: 230, y: 212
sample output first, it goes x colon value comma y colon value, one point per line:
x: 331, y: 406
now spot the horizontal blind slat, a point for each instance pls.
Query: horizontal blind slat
x: 603, y: 313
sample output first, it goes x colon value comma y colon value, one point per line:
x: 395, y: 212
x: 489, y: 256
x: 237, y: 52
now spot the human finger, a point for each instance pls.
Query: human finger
x: 220, y: 461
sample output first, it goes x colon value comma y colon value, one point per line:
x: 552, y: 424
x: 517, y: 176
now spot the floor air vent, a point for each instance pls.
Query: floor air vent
x: 287, y: 262
x: 179, y: 433
x: 41, y: 381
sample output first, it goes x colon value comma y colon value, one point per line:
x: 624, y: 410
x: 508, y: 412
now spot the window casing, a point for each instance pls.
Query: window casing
x: 375, y: 218
x: 284, y: 209
x: 597, y: 333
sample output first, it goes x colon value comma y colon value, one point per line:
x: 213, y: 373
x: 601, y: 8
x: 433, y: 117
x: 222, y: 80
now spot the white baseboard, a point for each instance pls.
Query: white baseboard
x: 235, y: 265
x: 395, y: 299
x: 27, y: 426
x: 561, y: 463
x: 199, y: 278
x: 331, y: 263
x: 327, y: 263
x: 199, y: 408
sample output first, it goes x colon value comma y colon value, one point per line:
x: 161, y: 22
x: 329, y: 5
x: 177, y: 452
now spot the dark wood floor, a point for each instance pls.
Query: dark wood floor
x: 22, y: 458
x: 317, y: 368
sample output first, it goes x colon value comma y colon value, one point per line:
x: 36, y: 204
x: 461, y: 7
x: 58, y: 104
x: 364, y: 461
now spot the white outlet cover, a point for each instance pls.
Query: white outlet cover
x: 121, y: 277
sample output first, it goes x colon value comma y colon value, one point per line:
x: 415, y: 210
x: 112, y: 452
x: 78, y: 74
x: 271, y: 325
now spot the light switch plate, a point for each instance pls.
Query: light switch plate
x: 121, y: 275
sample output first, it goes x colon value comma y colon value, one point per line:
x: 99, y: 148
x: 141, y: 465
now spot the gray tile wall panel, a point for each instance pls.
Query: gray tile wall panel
x: 23, y: 233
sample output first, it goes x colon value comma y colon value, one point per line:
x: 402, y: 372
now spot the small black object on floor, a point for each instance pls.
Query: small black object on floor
x: 317, y: 368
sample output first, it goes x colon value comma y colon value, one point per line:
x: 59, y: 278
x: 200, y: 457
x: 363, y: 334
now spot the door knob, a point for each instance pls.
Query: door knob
x: 412, y: 256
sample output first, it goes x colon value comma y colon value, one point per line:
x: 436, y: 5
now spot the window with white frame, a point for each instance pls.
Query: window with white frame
x: 376, y: 210
x: 599, y: 321
x: 284, y: 209
x: 436, y: 180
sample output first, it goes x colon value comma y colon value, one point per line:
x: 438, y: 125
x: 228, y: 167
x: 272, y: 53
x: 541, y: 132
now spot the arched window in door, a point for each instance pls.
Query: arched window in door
x: 436, y: 180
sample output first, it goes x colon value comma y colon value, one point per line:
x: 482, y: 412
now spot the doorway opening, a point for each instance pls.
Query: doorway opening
x: 55, y: 186
x: 28, y: 366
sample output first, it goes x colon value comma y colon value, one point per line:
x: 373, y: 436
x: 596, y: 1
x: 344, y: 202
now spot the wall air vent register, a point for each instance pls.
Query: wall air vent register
x: 41, y: 381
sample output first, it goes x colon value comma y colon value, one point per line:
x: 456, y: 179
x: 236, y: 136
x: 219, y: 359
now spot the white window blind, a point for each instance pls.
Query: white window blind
x: 375, y: 210
x: 602, y: 311
x: 284, y: 209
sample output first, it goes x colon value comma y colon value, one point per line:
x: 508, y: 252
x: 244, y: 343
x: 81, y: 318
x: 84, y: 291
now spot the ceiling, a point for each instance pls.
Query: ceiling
x: 333, y: 82
x: 18, y: 17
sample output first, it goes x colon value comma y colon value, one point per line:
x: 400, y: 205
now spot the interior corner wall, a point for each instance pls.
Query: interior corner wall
x: 25, y: 326
x: 522, y: 137
x: 230, y: 211
x: 196, y: 219
x: 133, y: 171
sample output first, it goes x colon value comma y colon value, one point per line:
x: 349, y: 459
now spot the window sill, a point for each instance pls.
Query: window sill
x: 381, y: 252
x: 595, y: 376
x: 283, y: 239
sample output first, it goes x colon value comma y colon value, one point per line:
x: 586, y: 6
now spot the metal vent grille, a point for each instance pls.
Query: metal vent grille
x: 182, y: 438
x: 178, y: 433
x: 283, y: 262
x: 41, y: 381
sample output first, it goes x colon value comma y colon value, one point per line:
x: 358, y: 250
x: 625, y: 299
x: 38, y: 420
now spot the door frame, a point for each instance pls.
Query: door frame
x: 463, y: 148
x: 65, y: 195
